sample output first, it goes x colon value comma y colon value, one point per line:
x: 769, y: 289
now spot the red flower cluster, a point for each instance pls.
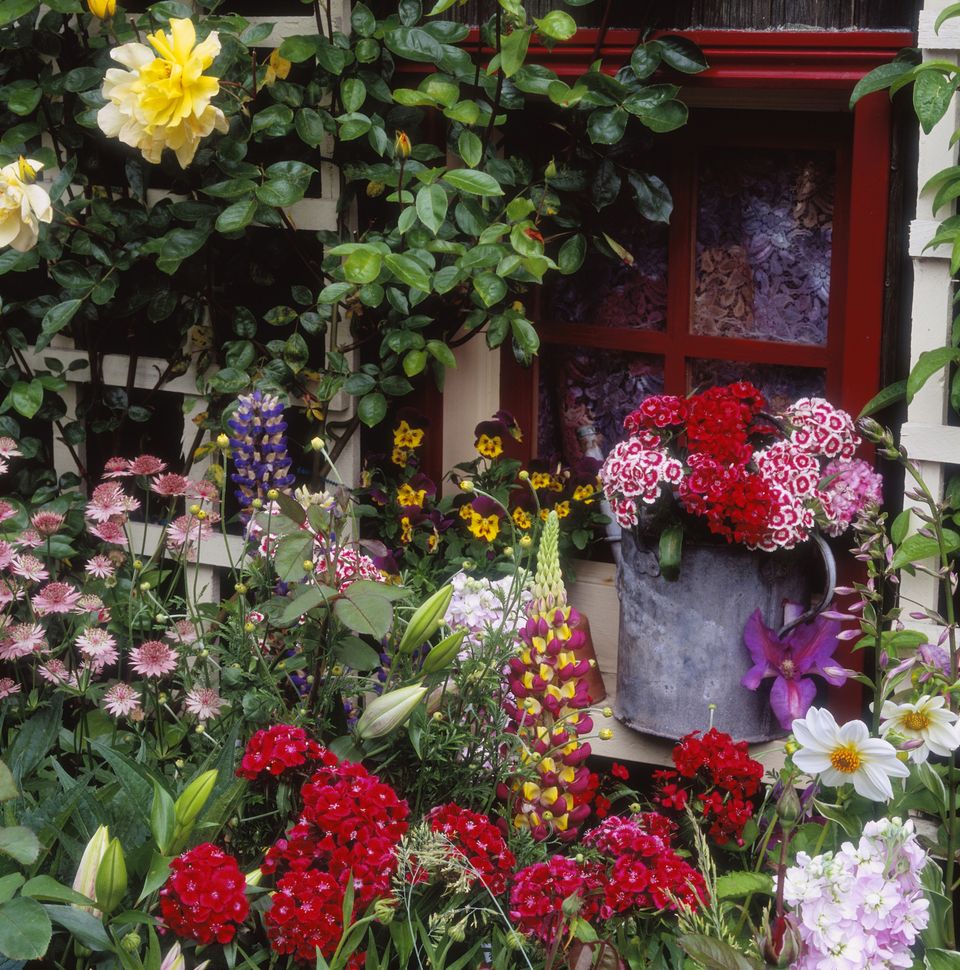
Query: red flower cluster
x: 350, y: 826
x: 719, y: 422
x: 204, y: 898
x: 659, y: 411
x: 277, y: 749
x: 721, y: 775
x: 644, y: 872
x: 306, y: 913
x: 536, y: 899
x: 478, y: 841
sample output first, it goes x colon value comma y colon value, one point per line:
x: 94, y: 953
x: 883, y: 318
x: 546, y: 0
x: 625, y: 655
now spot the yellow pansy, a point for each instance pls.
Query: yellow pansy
x: 490, y: 446
x: 522, y: 518
x: 408, y: 496
x: 163, y: 98
x: 406, y: 437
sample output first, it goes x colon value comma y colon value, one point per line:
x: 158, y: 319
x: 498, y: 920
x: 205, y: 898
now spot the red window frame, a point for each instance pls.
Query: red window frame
x: 824, y: 66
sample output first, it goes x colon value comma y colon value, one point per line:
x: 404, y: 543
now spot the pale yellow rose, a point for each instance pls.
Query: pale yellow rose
x: 277, y: 67
x: 163, y: 99
x: 23, y: 205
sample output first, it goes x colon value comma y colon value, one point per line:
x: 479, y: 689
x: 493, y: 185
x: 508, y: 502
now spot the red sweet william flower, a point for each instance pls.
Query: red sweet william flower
x: 478, y: 842
x: 619, y: 771
x: 204, y: 898
x: 276, y: 750
x: 306, y: 914
x: 536, y: 899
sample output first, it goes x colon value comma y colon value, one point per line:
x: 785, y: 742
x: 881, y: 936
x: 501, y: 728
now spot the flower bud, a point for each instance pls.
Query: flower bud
x: 526, y: 542
x: 102, y: 8
x: 111, y: 882
x: 384, y: 909
x: 272, y: 494
x: 401, y: 145
x: 254, y: 878
x: 375, y: 188
x: 780, y: 943
x: 132, y: 942
x: 189, y: 805
x: 174, y: 960
x: 223, y: 441
x: 426, y: 620
x: 466, y: 485
x: 443, y: 653
x: 85, y: 881
x: 605, y: 734
x: 524, y: 475
x: 789, y: 808
x: 389, y: 711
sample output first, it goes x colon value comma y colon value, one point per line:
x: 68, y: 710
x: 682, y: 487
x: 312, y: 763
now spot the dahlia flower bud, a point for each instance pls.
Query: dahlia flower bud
x: 389, y: 711
x: 781, y: 944
x: 426, y: 620
x: 789, y: 808
x: 85, y: 881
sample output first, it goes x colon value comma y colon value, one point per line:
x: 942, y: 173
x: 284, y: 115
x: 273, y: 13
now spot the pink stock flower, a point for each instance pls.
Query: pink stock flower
x: 851, y: 486
x: 8, y: 687
x: 204, y: 702
x: 56, y: 598
x: 47, y: 523
x: 153, y: 658
x: 121, y: 700
x: 23, y: 639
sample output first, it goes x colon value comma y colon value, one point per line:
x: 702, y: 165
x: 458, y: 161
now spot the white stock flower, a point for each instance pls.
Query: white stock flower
x: 23, y: 205
x: 846, y: 754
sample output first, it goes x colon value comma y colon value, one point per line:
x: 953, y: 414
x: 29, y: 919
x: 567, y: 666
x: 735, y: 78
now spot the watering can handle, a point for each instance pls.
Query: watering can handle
x: 830, y: 567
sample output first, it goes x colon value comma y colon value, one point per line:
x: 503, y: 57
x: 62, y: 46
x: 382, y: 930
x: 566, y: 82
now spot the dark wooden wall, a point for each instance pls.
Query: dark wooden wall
x: 725, y: 14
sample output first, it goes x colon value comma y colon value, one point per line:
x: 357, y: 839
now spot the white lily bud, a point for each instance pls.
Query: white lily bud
x: 85, y: 881
x: 387, y: 712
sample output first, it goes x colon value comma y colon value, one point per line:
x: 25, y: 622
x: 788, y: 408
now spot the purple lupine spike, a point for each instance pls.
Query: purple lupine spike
x: 259, y: 446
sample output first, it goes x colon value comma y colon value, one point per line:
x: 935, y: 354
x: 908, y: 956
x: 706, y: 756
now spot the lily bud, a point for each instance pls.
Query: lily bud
x: 426, y: 620
x: 85, y: 881
x: 189, y: 805
x: 102, y: 8
x: 174, y: 960
x: 389, y: 711
x: 401, y: 145
x: 111, y: 882
x: 254, y: 878
x: 781, y: 944
x: 443, y: 653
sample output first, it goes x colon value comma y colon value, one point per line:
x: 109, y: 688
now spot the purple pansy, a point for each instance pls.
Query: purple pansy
x: 806, y: 649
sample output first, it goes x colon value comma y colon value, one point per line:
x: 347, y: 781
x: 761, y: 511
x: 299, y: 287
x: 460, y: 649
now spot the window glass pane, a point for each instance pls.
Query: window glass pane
x: 764, y: 228
x: 781, y: 385
x: 611, y: 293
x: 580, y: 388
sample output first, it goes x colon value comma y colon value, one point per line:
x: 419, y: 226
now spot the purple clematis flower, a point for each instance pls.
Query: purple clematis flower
x: 806, y: 649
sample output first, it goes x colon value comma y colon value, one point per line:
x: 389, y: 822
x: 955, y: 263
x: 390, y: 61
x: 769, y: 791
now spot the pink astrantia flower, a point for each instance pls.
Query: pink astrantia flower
x: 9, y: 591
x: 107, y: 501
x: 170, y: 485
x: 116, y: 468
x: 29, y: 539
x: 6, y: 554
x: 112, y: 532
x: 8, y: 688
x: 22, y: 640
x: 8, y: 448
x: 204, y: 702
x: 99, y: 648
x: 100, y: 567
x: 186, y: 532
x: 56, y: 598
x: 147, y: 465
x: 29, y: 568
x: 806, y: 650
x: 205, y: 491
x: 153, y: 658
x: 56, y: 672
x: 121, y: 700
x: 7, y: 511
x: 183, y: 632
x: 47, y: 523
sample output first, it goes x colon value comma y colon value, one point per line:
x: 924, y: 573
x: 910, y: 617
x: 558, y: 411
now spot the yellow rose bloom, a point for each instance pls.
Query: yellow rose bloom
x: 163, y: 99
x: 102, y: 8
x: 23, y: 205
x: 277, y: 67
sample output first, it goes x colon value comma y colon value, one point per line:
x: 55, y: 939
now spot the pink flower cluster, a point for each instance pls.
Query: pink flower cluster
x: 865, y: 905
x: 635, y: 473
x: 850, y: 486
x: 821, y: 429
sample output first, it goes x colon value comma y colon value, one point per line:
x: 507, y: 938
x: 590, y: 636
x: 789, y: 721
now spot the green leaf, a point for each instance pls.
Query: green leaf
x: 525, y: 336
x: 308, y: 598
x: 513, y: 50
x: 353, y: 125
x: 929, y: 363
x: 736, y: 885
x: 49, y: 890
x: 572, y: 254
x: 432, y: 207
x: 362, y: 20
x: 671, y: 550
x: 20, y: 843
x: 490, y: 288
x: 57, y: 317
x: 8, y: 787
x: 280, y: 192
x: 413, y: 362
x: 917, y: 547
x: 413, y: 44
x: 880, y: 78
x: 310, y: 127
x: 645, y: 59
x: 162, y: 818
x: 25, y: 928
x: 441, y: 352
x: 362, y: 266
x: 409, y: 270
x: 714, y: 954
x: 932, y: 92
x: 87, y: 929
x: 26, y: 398
x: 937, y: 959
x: 948, y: 12
x: 473, y: 183
x: 900, y: 527
x: 353, y: 92
x: 292, y: 551
x: 606, y: 126
x: 889, y: 395
x: 157, y: 874
x: 682, y: 54
x: 8, y: 887
x: 470, y: 148
x: 277, y: 117
x: 364, y: 609
x: 557, y: 25
x: 651, y: 196
x: 372, y: 409
x: 296, y: 354
x: 237, y: 216
x: 11, y: 10
x: 300, y: 48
